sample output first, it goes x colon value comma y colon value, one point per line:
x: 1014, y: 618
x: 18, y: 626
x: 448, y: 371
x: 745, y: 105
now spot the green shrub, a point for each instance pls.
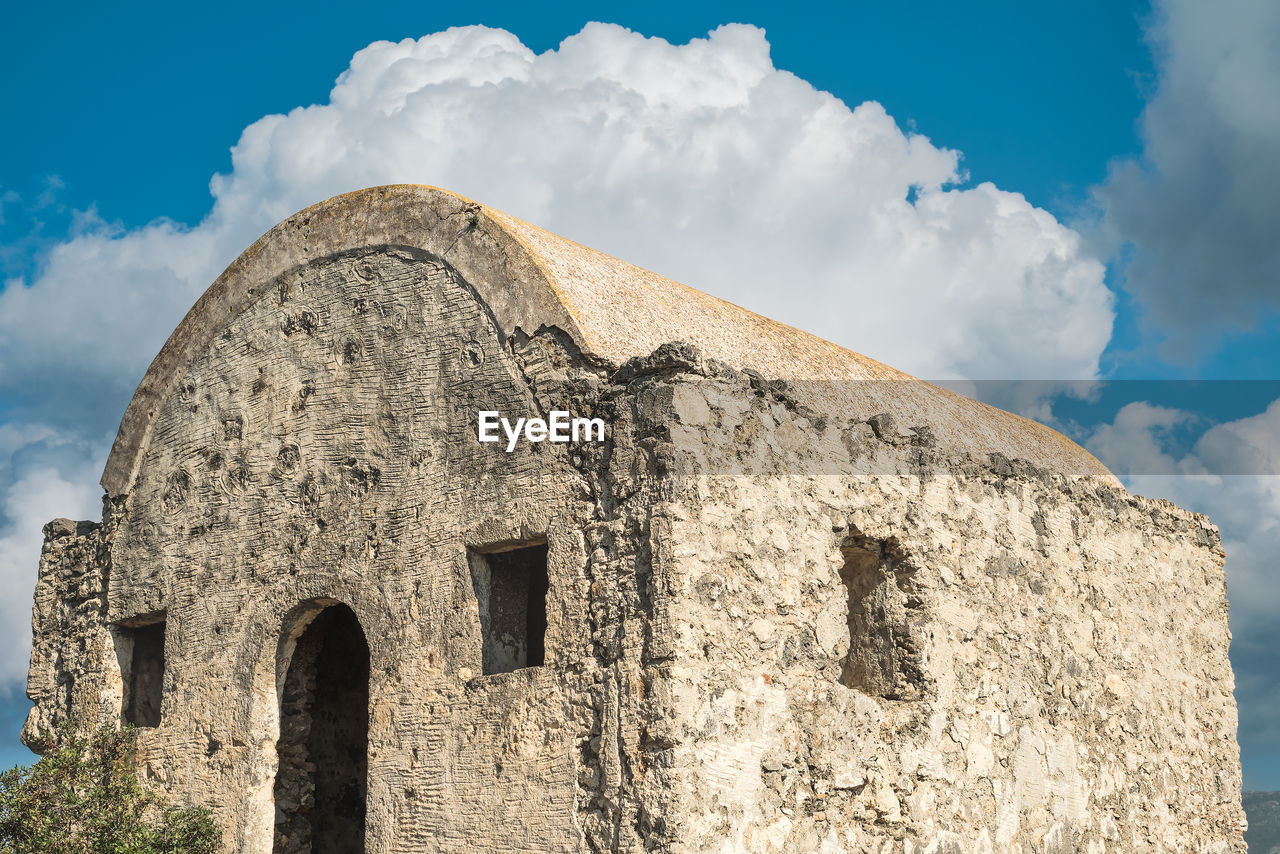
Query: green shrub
x: 83, y: 797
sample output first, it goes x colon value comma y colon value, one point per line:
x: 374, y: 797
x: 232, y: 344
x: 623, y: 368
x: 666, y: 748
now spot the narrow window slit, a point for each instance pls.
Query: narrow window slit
x: 884, y: 657
x: 511, y: 589
x: 140, y: 652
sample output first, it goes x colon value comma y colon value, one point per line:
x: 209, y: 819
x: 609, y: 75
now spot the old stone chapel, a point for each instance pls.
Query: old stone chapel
x: 795, y: 601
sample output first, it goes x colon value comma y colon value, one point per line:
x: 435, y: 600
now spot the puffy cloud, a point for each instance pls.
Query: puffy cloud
x: 1142, y: 439
x: 1132, y: 442
x: 1246, y: 446
x: 701, y: 161
x: 707, y: 164
x: 1199, y: 206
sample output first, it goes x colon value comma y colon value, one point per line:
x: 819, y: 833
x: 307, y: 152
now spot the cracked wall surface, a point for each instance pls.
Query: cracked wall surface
x: 770, y: 626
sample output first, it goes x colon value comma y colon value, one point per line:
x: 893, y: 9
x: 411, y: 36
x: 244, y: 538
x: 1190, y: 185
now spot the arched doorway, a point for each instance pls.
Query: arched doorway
x: 324, y: 736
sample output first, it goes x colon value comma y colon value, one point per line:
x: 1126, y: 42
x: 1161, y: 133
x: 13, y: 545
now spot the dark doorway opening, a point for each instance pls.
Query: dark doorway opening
x: 511, y: 588
x: 324, y: 737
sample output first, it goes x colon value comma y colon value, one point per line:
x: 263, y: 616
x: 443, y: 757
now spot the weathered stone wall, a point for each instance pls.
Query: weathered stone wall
x: 324, y: 449
x: 74, y: 675
x: 1074, y: 692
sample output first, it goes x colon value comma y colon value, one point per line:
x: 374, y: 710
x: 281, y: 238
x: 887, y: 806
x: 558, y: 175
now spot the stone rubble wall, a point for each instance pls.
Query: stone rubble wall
x: 74, y: 677
x: 1076, y: 694
x: 323, y: 450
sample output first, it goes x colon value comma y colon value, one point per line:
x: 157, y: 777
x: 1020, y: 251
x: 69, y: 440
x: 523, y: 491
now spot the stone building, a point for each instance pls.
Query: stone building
x: 794, y: 601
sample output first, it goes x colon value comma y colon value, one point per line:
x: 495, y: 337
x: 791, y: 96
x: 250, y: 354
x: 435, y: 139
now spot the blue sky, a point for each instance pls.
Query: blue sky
x: 1096, y: 179
x: 1037, y: 99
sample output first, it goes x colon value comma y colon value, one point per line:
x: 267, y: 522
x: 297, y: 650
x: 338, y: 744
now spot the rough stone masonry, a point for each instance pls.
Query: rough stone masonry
x: 795, y: 601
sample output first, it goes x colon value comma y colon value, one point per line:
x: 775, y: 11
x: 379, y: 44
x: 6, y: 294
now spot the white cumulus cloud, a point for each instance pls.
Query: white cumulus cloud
x: 701, y: 161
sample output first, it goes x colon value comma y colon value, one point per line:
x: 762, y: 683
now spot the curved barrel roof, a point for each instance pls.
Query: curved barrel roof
x: 613, y: 310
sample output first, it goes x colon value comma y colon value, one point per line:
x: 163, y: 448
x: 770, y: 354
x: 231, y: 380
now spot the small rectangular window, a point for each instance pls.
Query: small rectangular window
x: 511, y: 588
x: 140, y: 650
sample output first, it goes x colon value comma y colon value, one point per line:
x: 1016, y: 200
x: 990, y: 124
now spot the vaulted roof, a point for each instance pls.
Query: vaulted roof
x: 613, y: 310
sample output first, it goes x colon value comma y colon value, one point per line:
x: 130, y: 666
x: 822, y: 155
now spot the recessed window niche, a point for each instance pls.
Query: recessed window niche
x: 884, y: 657
x: 140, y: 653
x: 511, y: 588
